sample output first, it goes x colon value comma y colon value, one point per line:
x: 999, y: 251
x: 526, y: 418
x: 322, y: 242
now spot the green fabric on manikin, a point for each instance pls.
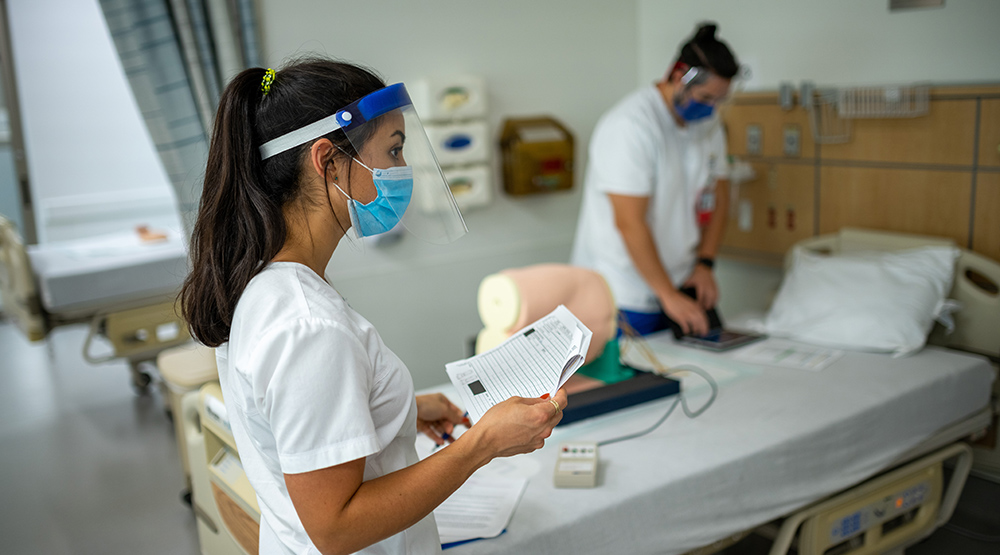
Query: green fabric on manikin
x: 607, y: 368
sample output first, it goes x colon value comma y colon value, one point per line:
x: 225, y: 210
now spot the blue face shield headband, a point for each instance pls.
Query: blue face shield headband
x: 385, y: 132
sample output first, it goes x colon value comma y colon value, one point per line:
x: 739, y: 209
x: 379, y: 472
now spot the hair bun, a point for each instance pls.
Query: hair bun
x: 705, y: 32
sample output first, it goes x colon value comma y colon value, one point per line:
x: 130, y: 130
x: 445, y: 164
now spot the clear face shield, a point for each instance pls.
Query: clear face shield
x: 390, y: 142
x: 703, y: 93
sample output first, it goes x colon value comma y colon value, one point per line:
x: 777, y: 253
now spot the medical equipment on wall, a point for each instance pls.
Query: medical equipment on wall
x: 740, y: 172
x: 454, y: 110
x: 832, y: 109
x: 223, y: 500
x: 537, y: 156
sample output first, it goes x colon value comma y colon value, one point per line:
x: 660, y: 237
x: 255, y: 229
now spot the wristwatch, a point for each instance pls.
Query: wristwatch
x: 707, y: 262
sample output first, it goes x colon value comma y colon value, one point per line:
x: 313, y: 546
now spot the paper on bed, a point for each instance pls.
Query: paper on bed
x: 536, y: 360
x: 480, y: 508
x: 789, y: 354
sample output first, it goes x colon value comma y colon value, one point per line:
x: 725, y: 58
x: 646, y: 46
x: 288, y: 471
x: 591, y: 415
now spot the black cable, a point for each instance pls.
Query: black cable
x: 985, y: 538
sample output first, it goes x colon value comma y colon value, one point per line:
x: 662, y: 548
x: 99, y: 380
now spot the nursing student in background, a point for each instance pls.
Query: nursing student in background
x: 656, y: 191
x: 323, y: 413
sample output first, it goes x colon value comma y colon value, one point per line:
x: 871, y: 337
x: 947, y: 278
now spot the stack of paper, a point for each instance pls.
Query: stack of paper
x: 536, y: 360
x: 481, y: 508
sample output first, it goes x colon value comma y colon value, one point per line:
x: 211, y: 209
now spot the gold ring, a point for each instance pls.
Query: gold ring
x: 555, y: 404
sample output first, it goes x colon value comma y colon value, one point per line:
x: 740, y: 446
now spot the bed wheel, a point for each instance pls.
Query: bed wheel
x: 140, y: 382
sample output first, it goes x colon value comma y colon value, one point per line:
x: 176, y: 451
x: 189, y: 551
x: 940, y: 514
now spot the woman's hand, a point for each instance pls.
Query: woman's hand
x: 518, y: 425
x: 437, y: 417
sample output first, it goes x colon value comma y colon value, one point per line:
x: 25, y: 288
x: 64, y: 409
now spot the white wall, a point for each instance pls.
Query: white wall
x: 839, y: 43
x: 571, y: 59
x: 92, y: 165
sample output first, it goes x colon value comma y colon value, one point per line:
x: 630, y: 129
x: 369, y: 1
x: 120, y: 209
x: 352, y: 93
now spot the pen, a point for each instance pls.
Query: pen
x: 447, y: 437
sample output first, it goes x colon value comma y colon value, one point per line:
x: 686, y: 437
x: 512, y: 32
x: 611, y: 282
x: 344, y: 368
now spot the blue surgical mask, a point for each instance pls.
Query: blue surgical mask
x: 393, y: 190
x: 693, y: 110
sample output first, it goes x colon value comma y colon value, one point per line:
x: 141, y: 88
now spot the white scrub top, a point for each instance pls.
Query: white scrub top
x: 309, y: 384
x: 638, y: 149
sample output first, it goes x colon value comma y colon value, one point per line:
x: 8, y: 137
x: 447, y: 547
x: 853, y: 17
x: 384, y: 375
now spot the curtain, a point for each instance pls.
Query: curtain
x: 178, y: 55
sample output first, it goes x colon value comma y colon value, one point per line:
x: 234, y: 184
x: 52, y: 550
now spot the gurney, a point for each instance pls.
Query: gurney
x: 123, y: 285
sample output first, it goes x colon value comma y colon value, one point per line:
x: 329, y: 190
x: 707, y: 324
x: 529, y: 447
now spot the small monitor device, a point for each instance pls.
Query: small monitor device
x: 718, y: 338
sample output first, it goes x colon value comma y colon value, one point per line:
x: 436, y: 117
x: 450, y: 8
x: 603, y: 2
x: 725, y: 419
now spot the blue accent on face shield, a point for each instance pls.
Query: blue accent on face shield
x: 394, y: 189
x: 694, y: 110
x: 373, y: 105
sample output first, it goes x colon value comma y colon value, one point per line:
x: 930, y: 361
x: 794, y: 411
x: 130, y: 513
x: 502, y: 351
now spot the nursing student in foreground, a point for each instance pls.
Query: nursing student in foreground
x: 323, y: 413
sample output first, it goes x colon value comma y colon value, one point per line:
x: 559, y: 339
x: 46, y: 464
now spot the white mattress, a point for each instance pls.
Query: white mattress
x: 86, y: 275
x: 775, y: 440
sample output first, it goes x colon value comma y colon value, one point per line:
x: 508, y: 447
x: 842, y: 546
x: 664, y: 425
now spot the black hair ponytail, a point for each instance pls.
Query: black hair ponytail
x: 241, y: 222
x: 704, y: 50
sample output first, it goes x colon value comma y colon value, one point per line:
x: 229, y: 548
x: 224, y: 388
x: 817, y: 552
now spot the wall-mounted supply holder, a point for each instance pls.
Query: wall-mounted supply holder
x: 460, y: 143
x: 537, y: 156
x: 454, y: 111
x: 831, y: 110
x: 458, y: 97
x: 471, y: 185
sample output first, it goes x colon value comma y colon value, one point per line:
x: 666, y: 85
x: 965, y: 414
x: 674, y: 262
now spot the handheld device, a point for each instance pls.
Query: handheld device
x: 718, y: 338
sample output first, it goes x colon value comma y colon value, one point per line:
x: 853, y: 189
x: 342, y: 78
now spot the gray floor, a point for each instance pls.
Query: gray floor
x: 88, y: 467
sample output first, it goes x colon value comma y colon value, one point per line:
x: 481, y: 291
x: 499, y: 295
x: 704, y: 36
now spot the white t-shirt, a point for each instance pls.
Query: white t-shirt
x: 309, y: 384
x: 637, y: 149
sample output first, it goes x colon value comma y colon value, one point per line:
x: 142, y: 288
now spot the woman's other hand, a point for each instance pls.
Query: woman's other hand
x: 437, y: 417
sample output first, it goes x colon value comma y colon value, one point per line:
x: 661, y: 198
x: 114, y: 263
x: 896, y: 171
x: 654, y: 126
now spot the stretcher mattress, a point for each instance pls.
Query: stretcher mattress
x: 86, y: 275
x: 775, y: 440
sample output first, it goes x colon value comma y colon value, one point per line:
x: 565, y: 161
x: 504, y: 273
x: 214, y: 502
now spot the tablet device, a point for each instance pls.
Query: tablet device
x: 718, y: 338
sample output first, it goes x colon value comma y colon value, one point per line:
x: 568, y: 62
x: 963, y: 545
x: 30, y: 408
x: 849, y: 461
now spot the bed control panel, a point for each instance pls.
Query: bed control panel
x: 876, y: 520
x: 890, y: 508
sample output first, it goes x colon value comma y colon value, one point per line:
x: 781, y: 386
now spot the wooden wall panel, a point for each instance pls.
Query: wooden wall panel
x: 989, y: 133
x: 986, y: 232
x: 909, y: 201
x: 944, y: 136
x: 781, y: 186
x: 772, y: 120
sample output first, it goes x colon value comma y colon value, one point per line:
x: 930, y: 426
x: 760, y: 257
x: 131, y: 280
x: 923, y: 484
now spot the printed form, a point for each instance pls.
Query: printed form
x: 536, y: 360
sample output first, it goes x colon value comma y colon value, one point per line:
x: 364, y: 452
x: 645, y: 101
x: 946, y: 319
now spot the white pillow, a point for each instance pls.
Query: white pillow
x: 872, y: 301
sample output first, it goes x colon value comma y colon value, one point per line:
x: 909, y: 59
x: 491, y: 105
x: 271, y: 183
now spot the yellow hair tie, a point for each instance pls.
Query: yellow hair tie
x: 265, y: 85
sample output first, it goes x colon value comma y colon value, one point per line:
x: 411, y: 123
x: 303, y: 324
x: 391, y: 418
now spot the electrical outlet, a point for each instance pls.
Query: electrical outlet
x: 793, y: 140
x: 755, y: 140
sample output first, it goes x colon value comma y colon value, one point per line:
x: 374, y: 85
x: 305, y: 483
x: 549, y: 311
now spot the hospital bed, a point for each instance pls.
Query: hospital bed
x: 847, y: 460
x: 817, y: 461
x: 122, y: 284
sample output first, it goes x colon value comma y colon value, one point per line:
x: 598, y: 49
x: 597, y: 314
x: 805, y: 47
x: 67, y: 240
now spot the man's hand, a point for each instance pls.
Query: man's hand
x: 686, y: 312
x: 706, y: 290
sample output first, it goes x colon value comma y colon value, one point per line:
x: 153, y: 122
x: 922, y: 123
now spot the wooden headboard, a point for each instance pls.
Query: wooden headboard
x: 933, y: 175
